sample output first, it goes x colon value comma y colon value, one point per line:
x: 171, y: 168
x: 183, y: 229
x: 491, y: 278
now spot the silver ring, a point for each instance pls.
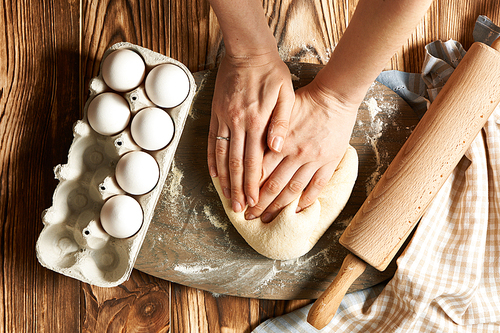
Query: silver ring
x: 222, y: 138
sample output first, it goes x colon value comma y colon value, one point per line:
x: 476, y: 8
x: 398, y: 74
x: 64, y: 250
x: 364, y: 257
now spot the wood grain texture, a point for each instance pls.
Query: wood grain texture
x: 306, y: 31
x: 457, y: 18
x: 38, y: 102
x: 49, y: 50
x: 142, y: 304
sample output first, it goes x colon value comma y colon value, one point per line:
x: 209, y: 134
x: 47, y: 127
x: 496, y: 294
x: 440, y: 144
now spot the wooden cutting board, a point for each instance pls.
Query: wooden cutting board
x: 190, y: 240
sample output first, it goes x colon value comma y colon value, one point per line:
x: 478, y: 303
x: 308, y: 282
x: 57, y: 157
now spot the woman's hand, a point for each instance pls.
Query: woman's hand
x: 252, y: 102
x: 320, y: 129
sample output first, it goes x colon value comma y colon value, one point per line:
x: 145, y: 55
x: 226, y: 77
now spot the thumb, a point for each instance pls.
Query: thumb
x: 280, y: 119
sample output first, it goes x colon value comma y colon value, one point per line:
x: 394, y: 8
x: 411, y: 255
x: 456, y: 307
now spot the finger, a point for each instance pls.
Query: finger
x: 290, y: 192
x: 316, y: 185
x: 254, y: 153
x: 270, y: 162
x: 271, y: 189
x: 236, y: 151
x: 212, y: 134
x: 222, y: 160
x: 280, y: 120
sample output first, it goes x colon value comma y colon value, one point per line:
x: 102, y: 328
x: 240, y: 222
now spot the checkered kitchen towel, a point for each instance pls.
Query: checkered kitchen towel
x: 448, y: 278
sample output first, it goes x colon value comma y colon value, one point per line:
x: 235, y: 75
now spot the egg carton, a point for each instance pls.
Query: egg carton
x: 73, y: 241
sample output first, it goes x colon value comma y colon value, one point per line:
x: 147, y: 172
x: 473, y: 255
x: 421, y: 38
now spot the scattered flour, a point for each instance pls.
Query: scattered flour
x: 193, y: 269
x: 388, y: 107
x: 373, y: 107
x: 375, y: 176
x: 270, y: 275
x: 214, y: 219
x: 175, y: 187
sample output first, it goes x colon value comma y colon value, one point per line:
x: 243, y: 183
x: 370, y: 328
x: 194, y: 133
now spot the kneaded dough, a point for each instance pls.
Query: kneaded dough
x: 291, y: 235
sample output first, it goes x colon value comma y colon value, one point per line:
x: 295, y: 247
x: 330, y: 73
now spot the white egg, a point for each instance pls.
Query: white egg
x: 108, y: 113
x: 167, y: 85
x: 137, y: 172
x: 121, y: 216
x: 152, y: 128
x: 123, y: 70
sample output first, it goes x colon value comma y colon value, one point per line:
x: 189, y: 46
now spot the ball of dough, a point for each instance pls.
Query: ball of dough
x: 152, y: 128
x: 137, y: 172
x: 108, y: 113
x: 167, y: 85
x: 291, y: 235
x: 123, y: 70
x: 121, y: 216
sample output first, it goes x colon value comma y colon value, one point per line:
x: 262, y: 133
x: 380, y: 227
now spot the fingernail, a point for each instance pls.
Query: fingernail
x: 249, y: 216
x: 227, y: 193
x: 277, y: 143
x: 213, y: 172
x: 298, y: 210
x: 250, y: 201
x: 236, y: 207
x: 266, y: 217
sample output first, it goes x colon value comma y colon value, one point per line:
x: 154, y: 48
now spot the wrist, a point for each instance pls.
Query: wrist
x: 253, y: 57
x: 334, y: 90
x: 239, y: 46
x: 244, y: 27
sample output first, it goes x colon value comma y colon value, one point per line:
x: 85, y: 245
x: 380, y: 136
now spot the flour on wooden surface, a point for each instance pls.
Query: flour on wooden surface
x: 382, y: 111
x: 193, y: 269
x: 175, y: 187
x: 214, y: 219
x: 373, y: 107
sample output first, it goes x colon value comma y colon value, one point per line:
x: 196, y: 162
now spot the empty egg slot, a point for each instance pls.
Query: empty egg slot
x: 95, y: 157
x: 60, y: 250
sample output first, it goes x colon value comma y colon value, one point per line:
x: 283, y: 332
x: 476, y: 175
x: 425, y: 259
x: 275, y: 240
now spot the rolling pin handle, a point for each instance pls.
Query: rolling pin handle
x: 325, y: 307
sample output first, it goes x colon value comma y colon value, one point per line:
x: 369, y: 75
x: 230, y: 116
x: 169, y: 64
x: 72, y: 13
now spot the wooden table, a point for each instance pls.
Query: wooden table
x: 49, y: 51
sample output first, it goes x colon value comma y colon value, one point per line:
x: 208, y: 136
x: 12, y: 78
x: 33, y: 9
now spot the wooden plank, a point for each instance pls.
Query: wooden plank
x: 194, y: 310
x: 457, y: 18
x: 274, y: 308
x: 306, y: 31
x: 196, y: 40
x: 142, y: 303
x: 39, y: 86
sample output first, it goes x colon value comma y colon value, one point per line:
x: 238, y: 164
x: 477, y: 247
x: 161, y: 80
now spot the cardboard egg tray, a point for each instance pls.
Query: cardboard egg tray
x: 73, y: 241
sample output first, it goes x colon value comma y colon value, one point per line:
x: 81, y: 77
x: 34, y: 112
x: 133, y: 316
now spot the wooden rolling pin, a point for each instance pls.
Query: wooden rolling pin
x: 416, y: 174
